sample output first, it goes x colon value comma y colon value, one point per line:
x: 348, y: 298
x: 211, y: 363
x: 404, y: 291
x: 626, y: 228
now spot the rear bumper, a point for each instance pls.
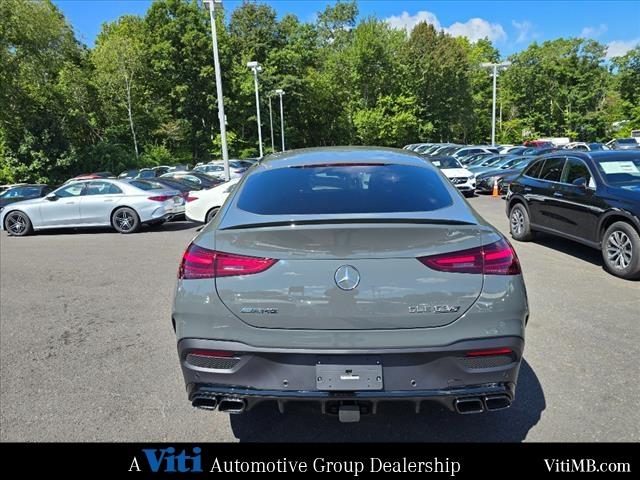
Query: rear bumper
x: 444, y: 374
x: 367, y: 402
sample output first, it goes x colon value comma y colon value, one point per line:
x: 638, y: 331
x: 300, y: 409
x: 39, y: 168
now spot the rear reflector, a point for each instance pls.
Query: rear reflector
x: 161, y: 198
x: 490, y: 352
x: 212, y: 353
x: 198, y: 262
x: 497, y: 258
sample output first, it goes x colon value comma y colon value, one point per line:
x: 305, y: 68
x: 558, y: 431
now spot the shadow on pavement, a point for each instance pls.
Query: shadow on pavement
x: 397, y: 422
x: 568, y: 247
x: 165, y: 227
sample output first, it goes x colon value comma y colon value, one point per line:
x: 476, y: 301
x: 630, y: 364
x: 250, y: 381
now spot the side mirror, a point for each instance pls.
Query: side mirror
x: 582, y: 184
x: 52, y: 197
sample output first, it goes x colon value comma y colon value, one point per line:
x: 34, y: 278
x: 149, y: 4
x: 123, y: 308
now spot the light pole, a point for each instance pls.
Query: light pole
x: 495, y: 67
x: 273, y: 148
x: 216, y: 60
x: 256, y: 68
x: 280, y: 93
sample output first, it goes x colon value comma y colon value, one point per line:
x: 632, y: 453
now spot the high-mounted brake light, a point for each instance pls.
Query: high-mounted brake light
x: 497, y: 258
x: 161, y: 198
x: 198, y: 263
x: 345, y: 164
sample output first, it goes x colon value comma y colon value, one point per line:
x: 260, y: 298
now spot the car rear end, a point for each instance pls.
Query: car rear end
x: 349, y: 278
x: 154, y: 202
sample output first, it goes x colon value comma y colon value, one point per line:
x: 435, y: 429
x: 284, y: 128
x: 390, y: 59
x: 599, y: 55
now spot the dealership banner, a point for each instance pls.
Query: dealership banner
x: 300, y: 460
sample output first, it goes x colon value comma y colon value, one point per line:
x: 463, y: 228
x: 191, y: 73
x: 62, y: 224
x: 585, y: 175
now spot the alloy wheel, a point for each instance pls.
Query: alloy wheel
x: 517, y: 222
x: 619, y: 250
x: 124, y: 220
x: 16, y: 223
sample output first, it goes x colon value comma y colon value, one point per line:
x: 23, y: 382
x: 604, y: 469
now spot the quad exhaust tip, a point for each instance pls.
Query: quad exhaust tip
x: 490, y: 403
x: 232, y: 405
x: 466, y: 406
x: 205, y: 403
x: 497, y: 402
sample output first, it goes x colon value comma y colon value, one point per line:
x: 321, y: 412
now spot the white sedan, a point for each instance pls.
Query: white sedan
x: 463, y: 179
x: 206, y: 203
x: 126, y: 206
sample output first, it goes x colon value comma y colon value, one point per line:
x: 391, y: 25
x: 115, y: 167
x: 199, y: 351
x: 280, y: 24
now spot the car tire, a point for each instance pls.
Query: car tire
x: 211, y: 214
x: 125, y: 220
x: 519, y: 223
x: 18, y: 224
x: 621, y: 251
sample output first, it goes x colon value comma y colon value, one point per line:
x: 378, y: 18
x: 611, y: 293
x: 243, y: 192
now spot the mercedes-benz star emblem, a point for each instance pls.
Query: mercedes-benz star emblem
x: 347, y: 277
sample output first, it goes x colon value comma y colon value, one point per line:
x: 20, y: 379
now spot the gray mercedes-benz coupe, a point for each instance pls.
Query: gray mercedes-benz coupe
x: 349, y: 276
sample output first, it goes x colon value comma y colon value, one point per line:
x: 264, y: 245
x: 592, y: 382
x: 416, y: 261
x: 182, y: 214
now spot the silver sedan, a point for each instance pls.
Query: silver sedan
x: 125, y: 206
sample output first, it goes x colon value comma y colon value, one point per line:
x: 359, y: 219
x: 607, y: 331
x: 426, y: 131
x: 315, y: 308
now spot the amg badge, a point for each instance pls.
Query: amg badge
x: 424, y: 308
x: 260, y: 311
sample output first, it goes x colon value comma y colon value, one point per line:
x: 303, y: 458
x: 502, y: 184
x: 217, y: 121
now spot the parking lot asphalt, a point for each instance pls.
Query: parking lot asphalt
x: 87, y: 352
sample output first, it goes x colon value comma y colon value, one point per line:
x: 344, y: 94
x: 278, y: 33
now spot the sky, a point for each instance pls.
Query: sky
x: 511, y: 25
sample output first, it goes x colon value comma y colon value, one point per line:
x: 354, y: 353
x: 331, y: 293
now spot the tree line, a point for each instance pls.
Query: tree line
x: 145, y: 93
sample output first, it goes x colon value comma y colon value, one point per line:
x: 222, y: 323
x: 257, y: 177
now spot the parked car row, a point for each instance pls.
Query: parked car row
x: 101, y: 199
x: 586, y: 192
x: 477, y: 168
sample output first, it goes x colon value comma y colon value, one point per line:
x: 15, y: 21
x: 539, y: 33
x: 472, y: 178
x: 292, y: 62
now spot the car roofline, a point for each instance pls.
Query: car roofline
x: 342, y: 155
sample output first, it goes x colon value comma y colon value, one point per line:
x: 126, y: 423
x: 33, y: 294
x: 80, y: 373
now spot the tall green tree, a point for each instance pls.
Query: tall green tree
x: 120, y: 69
x: 558, y: 88
x: 36, y: 46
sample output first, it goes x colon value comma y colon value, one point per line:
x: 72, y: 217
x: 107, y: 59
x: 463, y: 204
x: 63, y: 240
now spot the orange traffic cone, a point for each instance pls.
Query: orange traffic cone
x: 495, y: 192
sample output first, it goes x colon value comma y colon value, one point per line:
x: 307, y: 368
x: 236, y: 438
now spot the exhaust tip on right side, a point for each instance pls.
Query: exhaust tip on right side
x: 232, y: 405
x: 497, y: 402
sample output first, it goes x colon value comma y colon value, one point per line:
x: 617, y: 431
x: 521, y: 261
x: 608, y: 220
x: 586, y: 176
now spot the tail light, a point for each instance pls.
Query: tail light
x: 161, y: 198
x: 497, y: 258
x: 188, y: 198
x: 198, y: 262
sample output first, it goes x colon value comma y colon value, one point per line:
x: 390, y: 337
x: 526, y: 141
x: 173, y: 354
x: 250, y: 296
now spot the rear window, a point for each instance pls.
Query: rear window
x: 317, y: 190
x: 147, y: 185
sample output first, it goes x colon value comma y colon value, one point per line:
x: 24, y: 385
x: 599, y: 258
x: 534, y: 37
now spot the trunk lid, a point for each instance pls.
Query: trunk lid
x: 391, y: 288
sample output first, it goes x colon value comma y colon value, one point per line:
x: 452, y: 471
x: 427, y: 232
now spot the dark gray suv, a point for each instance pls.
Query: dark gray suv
x: 349, y: 276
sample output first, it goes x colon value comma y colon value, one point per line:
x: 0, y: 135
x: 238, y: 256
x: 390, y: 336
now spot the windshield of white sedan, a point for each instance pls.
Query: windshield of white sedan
x: 621, y: 171
x: 331, y: 189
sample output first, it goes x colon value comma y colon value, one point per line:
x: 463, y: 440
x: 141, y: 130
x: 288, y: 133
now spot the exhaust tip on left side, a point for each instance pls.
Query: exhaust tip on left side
x: 205, y: 403
x: 468, y: 405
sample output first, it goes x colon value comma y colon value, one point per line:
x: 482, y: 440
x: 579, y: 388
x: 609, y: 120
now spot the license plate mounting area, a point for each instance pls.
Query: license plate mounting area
x: 348, y: 373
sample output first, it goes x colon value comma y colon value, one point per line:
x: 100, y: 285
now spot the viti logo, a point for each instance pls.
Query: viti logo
x: 166, y: 460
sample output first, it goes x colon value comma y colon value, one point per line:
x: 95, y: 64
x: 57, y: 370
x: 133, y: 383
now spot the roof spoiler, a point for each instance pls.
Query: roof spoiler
x: 343, y: 221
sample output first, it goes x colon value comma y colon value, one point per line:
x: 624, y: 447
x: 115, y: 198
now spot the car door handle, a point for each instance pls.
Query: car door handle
x: 527, y: 189
x: 558, y: 194
x: 70, y: 203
